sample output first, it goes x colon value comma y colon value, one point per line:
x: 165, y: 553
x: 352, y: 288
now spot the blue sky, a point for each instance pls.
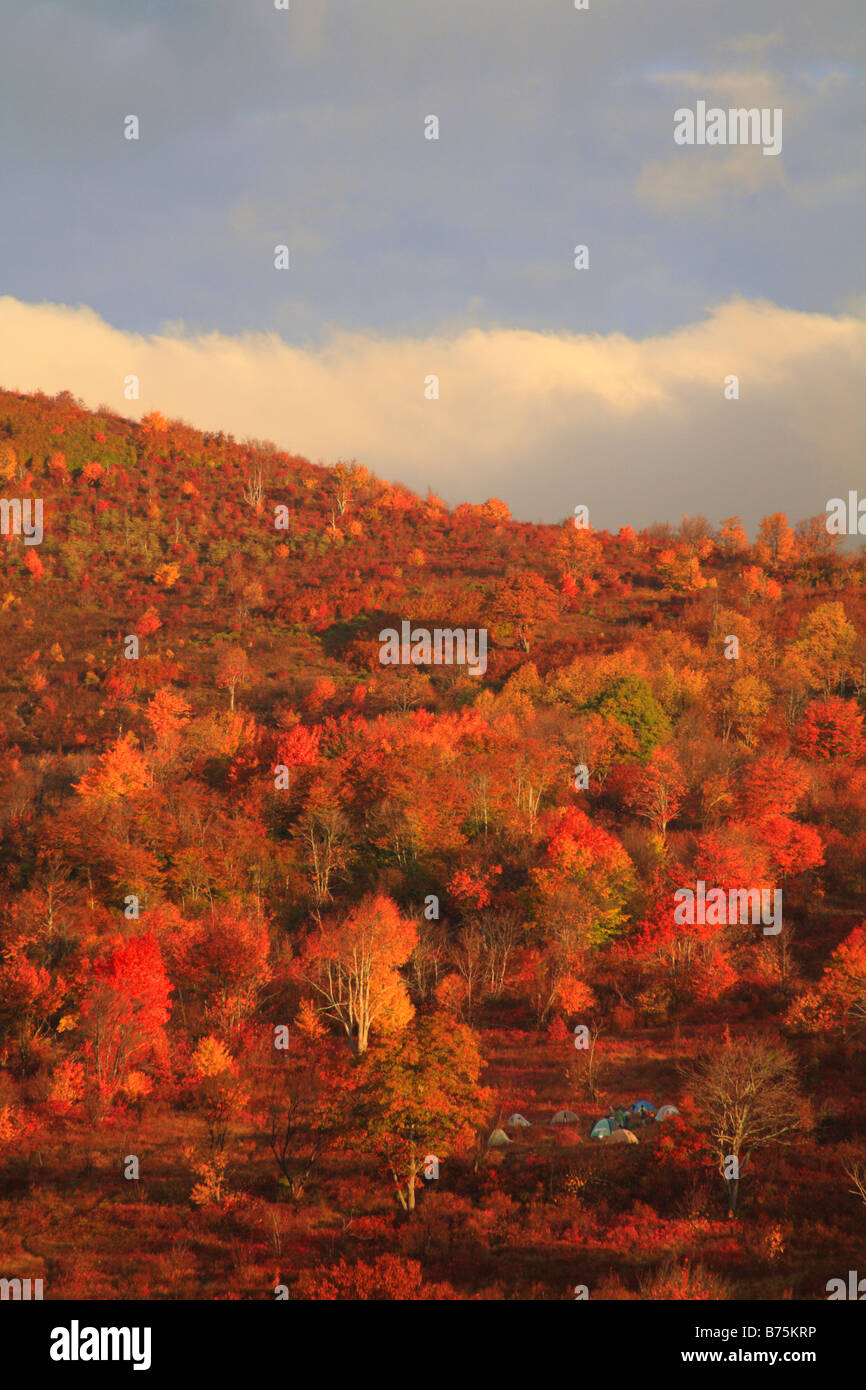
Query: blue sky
x: 305, y: 127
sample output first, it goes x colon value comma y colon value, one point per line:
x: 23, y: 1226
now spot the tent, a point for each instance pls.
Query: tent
x: 666, y: 1112
x: 623, y: 1136
x: 600, y: 1130
x: 565, y: 1117
x: 498, y: 1139
x: 518, y: 1122
x: 643, y: 1105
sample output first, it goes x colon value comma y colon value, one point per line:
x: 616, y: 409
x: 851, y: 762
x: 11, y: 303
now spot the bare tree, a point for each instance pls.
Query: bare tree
x: 529, y: 788
x: 502, y: 932
x: 469, y: 957
x: 855, y: 1169
x: 342, y: 475
x: 692, y: 530
x: 425, y: 965
x: 254, y: 490
x: 233, y: 669
x: 481, y: 800
x: 297, y: 1112
x: 584, y: 1069
x: 747, y: 1091
x: 323, y: 835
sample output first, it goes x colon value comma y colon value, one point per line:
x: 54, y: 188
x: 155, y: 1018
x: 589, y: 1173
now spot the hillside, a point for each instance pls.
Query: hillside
x: 279, y: 922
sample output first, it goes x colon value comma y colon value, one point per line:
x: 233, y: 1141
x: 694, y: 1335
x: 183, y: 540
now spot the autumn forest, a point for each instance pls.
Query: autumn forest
x: 323, y: 978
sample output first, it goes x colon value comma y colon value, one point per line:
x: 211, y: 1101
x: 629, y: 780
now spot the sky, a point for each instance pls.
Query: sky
x: 411, y: 257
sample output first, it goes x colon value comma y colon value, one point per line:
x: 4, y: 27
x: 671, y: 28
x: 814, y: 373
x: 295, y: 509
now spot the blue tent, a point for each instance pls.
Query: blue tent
x: 643, y: 1105
x: 600, y: 1130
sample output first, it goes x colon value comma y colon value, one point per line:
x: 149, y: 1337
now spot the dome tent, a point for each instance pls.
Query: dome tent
x: 644, y: 1105
x: 666, y: 1112
x: 498, y: 1139
x: 600, y: 1130
x: 518, y: 1122
x: 565, y: 1117
x: 623, y: 1136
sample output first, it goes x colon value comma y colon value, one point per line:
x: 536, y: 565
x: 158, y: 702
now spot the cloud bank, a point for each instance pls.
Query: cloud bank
x: 639, y: 430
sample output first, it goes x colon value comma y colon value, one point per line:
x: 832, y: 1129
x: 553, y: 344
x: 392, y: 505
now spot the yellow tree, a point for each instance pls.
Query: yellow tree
x: 353, y: 966
x: 743, y: 707
x: 423, y: 1097
x: 826, y: 643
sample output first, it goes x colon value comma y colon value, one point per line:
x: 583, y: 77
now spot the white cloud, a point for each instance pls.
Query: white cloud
x: 636, y: 428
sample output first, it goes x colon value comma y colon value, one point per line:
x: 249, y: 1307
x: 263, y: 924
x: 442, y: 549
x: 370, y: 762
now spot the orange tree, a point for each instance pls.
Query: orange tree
x: 124, y: 1009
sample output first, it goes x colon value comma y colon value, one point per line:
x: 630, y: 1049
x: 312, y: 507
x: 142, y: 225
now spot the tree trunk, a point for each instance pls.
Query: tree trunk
x: 411, y: 1192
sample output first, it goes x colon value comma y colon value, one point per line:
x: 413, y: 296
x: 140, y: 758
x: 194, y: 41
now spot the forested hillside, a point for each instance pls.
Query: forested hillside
x: 291, y: 938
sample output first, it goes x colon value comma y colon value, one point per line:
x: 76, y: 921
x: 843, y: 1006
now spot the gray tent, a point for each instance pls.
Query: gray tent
x: 565, y: 1117
x: 498, y: 1139
x: 666, y: 1112
x: 518, y: 1122
x: 623, y: 1136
